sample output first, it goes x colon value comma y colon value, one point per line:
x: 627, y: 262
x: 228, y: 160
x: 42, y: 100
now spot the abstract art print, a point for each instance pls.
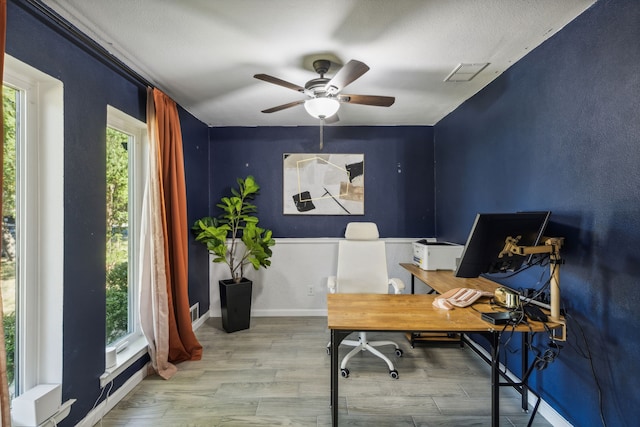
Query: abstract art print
x: 323, y: 184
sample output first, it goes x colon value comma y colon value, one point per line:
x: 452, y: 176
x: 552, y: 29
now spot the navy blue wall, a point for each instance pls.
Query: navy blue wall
x: 195, y: 137
x: 89, y: 85
x: 399, y: 180
x: 560, y: 131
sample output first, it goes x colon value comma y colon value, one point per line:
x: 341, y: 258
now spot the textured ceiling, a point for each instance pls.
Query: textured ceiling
x: 204, y: 53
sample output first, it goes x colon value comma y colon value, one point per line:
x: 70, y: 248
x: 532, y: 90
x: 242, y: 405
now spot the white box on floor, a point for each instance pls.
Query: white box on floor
x: 434, y: 255
x: 36, y: 405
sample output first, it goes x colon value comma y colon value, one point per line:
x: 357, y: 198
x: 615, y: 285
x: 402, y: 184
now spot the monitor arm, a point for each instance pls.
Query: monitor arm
x: 552, y: 247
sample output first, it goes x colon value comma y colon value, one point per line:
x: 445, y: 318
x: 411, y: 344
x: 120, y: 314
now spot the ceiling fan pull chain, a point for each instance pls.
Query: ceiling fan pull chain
x: 321, y: 133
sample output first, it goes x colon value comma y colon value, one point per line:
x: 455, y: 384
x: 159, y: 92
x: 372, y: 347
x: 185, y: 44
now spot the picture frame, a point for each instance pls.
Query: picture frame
x: 323, y: 184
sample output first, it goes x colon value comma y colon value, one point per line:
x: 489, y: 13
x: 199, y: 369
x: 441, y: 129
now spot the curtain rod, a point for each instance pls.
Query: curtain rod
x: 101, y: 53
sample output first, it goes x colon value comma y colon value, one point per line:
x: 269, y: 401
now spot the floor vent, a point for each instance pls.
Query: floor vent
x: 195, y: 312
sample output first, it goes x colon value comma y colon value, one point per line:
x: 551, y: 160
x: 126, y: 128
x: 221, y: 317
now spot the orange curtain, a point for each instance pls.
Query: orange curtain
x: 183, y: 344
x: 5, y: 404
x: 154, y: 309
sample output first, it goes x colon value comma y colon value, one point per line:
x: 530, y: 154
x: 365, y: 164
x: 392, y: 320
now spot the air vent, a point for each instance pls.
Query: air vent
x: 195, y: 312
x: 465, y: 72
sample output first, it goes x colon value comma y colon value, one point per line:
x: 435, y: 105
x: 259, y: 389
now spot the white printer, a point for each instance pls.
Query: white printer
x: 430, y: 254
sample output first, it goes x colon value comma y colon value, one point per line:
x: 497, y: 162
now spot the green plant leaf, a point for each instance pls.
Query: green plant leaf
x: 237, y: 223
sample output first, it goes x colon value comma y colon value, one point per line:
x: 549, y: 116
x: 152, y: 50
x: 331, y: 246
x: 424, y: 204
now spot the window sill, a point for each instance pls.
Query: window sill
x: 124, y: 359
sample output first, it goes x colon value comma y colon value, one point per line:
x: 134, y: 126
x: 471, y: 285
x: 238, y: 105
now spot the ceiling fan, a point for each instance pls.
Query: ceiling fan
x: 324, y: 94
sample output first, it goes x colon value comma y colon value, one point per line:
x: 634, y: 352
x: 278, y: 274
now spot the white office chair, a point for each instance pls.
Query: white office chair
x: 362, y: 268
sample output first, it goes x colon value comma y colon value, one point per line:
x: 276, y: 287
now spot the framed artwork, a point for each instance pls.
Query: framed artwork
x: 323, y: 184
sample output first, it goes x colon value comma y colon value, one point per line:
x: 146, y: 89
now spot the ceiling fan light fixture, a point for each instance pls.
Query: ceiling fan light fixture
x: 321, y: 108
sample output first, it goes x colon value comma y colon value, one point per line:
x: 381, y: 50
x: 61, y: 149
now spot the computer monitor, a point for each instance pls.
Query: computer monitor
x: 487, y: 240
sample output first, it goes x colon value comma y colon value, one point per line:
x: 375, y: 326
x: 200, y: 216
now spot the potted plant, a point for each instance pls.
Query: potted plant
x: 235, y: 239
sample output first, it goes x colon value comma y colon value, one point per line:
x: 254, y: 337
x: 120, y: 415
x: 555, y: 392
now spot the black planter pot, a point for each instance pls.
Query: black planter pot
x: 235, y: 304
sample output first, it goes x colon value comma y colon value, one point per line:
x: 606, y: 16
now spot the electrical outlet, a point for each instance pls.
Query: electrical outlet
x: 310, y: 291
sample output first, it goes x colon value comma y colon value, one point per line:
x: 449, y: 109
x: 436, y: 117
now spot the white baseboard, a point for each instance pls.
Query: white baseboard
x: 306, y: 312
x: 203, y: 318
x: 311, y: 312
x: 545, y: 410
x: 107, y: 404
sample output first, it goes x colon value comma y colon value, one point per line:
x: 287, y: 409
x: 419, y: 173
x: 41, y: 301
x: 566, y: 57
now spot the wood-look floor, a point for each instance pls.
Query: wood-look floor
x: 277, y: 374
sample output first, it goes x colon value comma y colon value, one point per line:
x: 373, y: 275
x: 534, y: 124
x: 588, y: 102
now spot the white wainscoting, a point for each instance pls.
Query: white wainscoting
x: 296, y: 266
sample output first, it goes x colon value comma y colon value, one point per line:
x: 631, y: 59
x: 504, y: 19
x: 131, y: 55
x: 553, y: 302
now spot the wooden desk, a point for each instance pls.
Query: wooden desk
x: 348, y: 313
x: 442, y: 280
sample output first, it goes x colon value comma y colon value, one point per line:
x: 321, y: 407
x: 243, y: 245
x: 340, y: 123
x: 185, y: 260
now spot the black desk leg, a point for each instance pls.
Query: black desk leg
x: 495, y: 379
x: 413, y: 283
x: 336, y: 339
x: 334, y: 378
x: 523, y: 369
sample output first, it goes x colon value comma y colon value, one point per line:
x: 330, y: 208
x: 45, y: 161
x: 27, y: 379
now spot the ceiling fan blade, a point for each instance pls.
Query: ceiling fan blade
x: 346, y: 75
x: 283, y: 106
x: 375, y: 100
x: 276, y: 81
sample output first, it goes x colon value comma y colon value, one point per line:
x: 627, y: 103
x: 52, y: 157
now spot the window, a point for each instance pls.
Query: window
x: 125, y: 172
x: 33, y: 186
x: 11, y: 111
x: 119, y: 303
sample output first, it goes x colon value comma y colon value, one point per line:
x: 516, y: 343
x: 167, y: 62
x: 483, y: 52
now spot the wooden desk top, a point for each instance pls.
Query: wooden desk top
x: 406, y: 312
x: 442, y: 280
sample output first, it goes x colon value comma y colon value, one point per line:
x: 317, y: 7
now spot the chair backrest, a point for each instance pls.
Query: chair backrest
x: 362, y: 261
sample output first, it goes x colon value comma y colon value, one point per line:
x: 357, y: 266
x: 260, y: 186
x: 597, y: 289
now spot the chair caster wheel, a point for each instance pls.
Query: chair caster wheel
x: 345, y: 373
x: 394, y: 374
x: 399, y: 352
